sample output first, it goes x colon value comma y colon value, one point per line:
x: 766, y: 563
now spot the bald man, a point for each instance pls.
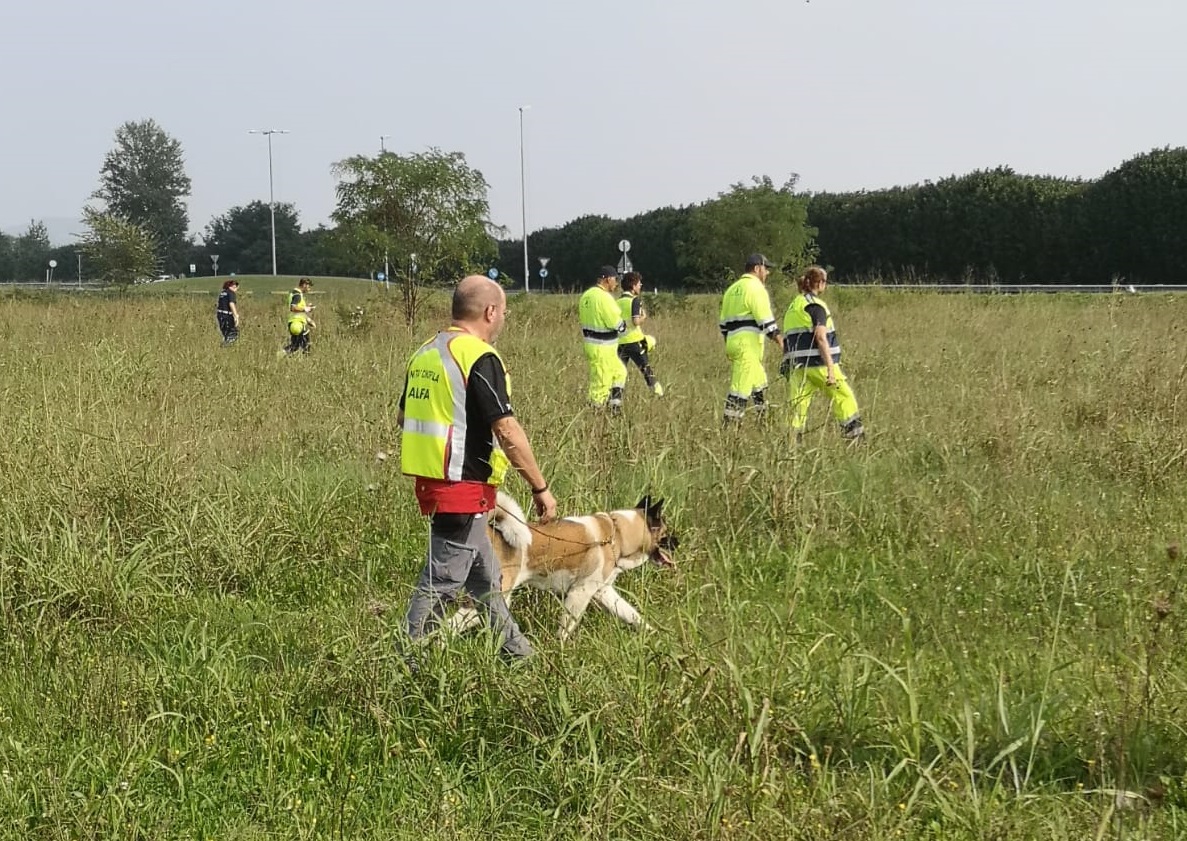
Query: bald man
x: 459, y: 436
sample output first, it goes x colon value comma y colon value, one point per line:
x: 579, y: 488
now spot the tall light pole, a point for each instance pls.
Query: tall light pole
x: 382, y: 145
x: 268, y: 132
x: 523, y: 199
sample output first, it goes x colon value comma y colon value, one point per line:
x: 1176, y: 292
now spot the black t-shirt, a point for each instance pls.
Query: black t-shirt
x: 636, y: 307
x: 225, y: 299
x: 817, y: 314
x: 486, y: 402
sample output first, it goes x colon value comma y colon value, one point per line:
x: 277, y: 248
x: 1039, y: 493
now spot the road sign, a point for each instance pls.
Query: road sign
x: 53, y: 264
x: 544, y: 261
x: 493, y: 274
x: 380, y: 276
x: 543, y: 272
x: 624, y: 245
x: 624, y: 265
x: 193, y: 268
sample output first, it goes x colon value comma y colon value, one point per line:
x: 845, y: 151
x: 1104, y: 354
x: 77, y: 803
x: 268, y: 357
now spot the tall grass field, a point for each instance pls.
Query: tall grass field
x: 969, y: 626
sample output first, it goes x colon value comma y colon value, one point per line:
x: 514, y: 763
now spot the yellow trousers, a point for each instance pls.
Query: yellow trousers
x: 606, y: 372
x: 805, y: 382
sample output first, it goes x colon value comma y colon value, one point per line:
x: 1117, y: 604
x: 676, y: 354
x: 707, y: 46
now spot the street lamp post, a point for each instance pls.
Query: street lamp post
x: 382, y: 144
x: 268, y: 132
x: 523, y: 199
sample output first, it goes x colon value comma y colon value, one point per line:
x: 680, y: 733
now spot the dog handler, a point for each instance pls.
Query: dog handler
x: 812, y: 357
x: 459, y: 436
x: 745, y: 318
x: 633, y: 345
x: 601, y: 325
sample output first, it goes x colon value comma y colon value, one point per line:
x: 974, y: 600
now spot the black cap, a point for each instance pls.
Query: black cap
x: 758, y: 260
x: 607, y: 271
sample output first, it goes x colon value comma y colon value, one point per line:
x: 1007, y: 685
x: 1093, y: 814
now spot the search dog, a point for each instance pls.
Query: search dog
x: 577, y: 558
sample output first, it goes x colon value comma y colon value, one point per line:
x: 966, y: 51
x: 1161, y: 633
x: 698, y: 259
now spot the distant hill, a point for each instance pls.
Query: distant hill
x: 59, y: 228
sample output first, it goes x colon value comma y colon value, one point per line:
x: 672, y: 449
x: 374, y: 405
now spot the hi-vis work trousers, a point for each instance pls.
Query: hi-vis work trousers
x: 805, y: 382
x: 748, y: 380
x: 607, y: 375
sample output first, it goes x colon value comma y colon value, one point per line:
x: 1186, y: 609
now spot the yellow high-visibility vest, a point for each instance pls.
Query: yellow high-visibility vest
x: 433, y: 444
x: 799, y: 342
x: 634, y: 333
x: 297, y: 299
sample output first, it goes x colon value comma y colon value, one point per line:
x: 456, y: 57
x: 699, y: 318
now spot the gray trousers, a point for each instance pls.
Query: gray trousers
x: 460, y: 556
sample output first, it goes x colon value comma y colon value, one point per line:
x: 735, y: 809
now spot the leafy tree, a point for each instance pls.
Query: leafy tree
x: 1135, y: 220
x: 118, y: 250
x: 143, y: 182
x: 7, y: 264
x: 431, y: 204
x: 747, y: 218
x: 242, y: 239
x: 30, y: 253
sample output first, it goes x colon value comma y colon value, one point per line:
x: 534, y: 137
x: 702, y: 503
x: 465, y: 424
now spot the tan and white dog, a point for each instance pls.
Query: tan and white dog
x: 578, y: 558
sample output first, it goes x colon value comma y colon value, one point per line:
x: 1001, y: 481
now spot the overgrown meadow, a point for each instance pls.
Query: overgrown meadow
x: 971, y: 626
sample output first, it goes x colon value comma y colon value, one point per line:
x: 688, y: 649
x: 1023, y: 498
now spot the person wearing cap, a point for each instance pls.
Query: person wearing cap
x: 226, y: 311
x: 812, y: 357
x: 601, y: 325
x: 459, y: 436
x: 745, y: 319
x: 633, y: 345
x: 299, y: 322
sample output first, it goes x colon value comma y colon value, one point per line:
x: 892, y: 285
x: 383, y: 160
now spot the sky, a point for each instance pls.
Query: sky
x: 634, y: 104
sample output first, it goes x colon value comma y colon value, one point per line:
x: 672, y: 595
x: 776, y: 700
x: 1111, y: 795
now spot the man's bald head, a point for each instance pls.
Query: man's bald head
x: 473, y: 295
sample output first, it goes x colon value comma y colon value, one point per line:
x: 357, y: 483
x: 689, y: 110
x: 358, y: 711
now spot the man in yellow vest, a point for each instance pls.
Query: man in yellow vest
x: 633, y: 345
x: 459, y: 437
x: 745, y: 319
x: 812, y: 357
x: 299, y: 322
x: 601, y: 325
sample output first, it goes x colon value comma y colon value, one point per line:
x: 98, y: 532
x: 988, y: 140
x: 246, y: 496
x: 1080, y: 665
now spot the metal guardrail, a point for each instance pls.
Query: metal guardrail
x: 1025, y: 288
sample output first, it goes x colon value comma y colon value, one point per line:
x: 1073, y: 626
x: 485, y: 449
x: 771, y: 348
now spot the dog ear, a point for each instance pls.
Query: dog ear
x: 655, y: 511
x: 644, y: 503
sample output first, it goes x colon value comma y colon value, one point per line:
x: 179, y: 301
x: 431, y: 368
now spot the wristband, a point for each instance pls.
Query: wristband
x: 538, y: 491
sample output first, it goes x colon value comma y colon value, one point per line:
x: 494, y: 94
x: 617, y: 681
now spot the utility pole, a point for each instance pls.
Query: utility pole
x: 271, y: 194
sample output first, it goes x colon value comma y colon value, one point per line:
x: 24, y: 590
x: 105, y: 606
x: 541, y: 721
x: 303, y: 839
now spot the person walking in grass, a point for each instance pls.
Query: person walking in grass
x: 299, y: 322
x: 745, y: 319
x: 226, y: 311
x: 633, y: 346
x: 601, y: 325
x: 812, y: 357
x: 459, y: 436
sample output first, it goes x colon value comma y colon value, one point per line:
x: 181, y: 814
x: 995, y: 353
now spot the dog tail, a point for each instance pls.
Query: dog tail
x: 508, y: 520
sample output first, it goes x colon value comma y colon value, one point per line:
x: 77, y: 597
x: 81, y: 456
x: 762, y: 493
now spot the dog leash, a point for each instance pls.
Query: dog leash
x: 583, y: 544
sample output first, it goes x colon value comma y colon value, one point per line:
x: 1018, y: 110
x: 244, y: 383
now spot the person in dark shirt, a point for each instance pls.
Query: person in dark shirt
x: 633, y: 345
x: 456, y: 490
x: 812, y: 358
x: 226, y: 311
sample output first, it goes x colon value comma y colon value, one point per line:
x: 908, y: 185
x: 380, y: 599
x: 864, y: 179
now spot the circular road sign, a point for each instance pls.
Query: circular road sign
x: 493, y: 274
x: 53, y: 264
x: 543, y: 272
x: 624, y: 245
x: 380, y: 276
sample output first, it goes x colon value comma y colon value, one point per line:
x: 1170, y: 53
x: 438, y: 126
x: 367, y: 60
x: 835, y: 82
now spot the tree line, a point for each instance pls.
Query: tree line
x: 425, y: 217
x: 988, y: 226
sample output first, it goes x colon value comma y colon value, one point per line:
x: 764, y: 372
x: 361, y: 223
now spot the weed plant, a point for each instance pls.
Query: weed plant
x: 970, y: 626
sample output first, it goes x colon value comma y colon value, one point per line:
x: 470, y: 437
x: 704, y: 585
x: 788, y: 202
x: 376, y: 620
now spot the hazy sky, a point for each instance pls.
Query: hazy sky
x: 634, y: 105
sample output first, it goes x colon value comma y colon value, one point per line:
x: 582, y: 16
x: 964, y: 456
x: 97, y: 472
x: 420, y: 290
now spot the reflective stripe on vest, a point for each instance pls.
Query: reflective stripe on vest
x: 736, y: 316
x: 435, y: 423
x: 634, y: 333
x: 594, y: 310
x: 799, y: 336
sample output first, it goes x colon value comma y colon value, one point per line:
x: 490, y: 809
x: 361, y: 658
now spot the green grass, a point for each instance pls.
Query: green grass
x: 969, y: 627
